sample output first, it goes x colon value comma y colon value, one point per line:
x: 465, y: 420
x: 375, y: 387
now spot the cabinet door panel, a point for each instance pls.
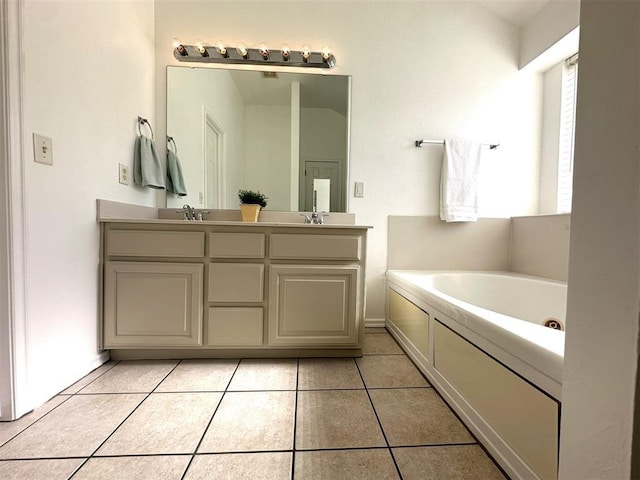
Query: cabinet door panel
x: 313, y: 305
x: 152, y: 304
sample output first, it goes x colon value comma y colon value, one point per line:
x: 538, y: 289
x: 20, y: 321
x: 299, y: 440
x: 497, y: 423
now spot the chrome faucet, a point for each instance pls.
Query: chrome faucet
x: 188, y: 213
x: 315, y: 218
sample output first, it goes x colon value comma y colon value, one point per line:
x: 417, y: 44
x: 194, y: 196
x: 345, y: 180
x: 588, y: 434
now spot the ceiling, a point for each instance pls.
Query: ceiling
x: 517, y: 12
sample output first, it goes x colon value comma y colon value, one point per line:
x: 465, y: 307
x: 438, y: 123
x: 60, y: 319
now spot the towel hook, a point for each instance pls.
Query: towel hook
x: 170, y: 140
x: 142, y: 121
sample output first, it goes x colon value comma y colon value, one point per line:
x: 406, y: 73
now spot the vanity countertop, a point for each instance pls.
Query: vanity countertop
x: 115, y: 212
x: 162, y: 221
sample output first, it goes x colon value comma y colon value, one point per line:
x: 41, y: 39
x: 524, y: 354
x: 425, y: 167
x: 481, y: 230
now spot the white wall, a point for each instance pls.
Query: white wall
x: 601, y: 351
x: 419, y: 70
x: 267, y: 165
x: 88, y: 73
x: 318, y: 124
x: 551, y: 110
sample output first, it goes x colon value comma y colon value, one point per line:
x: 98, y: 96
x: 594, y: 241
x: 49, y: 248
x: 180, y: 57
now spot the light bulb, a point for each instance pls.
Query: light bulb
x: 306, y: 52
x: 328, y: 57
x: 242, y: 50
x: 177, y: 44
x: 286, y: 52
x: 222, y: 49
x: 264, y: 50
x: 201, y: 48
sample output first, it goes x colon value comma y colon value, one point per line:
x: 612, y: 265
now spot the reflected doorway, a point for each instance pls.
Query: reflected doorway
x: 325, y: 169
x: 214, y: 162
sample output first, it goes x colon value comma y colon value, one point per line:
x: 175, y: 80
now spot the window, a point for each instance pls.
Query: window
x: 567, y: 134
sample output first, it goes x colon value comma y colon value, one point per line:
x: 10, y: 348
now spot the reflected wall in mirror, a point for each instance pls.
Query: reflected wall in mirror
x: 274, y: 132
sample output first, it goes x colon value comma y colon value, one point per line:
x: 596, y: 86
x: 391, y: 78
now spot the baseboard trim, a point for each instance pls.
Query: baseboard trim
x: 374, y: 322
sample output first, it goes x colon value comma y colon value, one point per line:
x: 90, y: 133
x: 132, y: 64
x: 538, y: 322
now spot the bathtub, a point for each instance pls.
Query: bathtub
x: 493, y: 321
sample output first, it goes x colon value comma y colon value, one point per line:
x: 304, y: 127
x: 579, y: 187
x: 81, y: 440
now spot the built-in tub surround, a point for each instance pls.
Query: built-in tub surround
x: 479, y: 338
x: 176, y: 288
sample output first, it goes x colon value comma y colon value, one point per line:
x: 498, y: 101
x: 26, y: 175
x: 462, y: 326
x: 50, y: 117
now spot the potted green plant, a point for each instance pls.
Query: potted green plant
x: 250, y: 204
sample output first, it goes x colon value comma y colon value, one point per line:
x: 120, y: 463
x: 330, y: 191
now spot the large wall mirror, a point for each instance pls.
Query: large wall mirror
x: 284, y: 134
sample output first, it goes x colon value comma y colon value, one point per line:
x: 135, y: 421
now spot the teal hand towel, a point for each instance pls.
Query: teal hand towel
x: 146, y: 166
x: 175, y: 179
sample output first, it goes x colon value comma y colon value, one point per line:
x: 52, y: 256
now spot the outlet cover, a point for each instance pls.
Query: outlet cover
x: 123, y: 176
x: 42, y: 149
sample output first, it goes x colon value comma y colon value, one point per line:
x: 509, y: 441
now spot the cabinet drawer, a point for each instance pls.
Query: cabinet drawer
x: 315, y: 247
x: 138, y: 243
x: 236, y: 282
x: 236, y: 245
x: 235, y: 326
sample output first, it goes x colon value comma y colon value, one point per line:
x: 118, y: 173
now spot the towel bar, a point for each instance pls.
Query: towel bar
x: 419, y: 143
x: 171, y: 140
x: 142, y: 121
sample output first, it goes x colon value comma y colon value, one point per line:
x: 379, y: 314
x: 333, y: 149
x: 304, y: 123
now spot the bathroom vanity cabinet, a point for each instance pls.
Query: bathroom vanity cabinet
x: 228, y: 288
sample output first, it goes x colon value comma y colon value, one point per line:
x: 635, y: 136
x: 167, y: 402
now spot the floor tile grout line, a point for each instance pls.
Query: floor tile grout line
x: 295, y: 422
x: 382, y: 354
x: 206, y: 428
x: 79, y: 457
x: 341, y: 449
x: 384, y: 435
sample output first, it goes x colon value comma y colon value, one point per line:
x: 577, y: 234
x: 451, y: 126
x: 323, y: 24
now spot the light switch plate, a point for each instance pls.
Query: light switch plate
x: 42, y: 149
x: 123, y: 174
x: 359, y: 190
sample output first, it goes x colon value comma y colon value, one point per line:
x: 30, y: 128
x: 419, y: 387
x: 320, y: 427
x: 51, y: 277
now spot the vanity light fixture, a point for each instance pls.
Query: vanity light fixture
x: 241, y: 54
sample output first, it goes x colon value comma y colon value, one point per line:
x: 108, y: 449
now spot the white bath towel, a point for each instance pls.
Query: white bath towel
x: 459, y: 181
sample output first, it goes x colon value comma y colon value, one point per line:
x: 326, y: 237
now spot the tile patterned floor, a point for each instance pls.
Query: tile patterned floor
x: 374, y: 417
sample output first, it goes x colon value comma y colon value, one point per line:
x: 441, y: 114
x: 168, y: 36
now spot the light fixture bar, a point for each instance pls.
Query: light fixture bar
x: 254, y: 56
